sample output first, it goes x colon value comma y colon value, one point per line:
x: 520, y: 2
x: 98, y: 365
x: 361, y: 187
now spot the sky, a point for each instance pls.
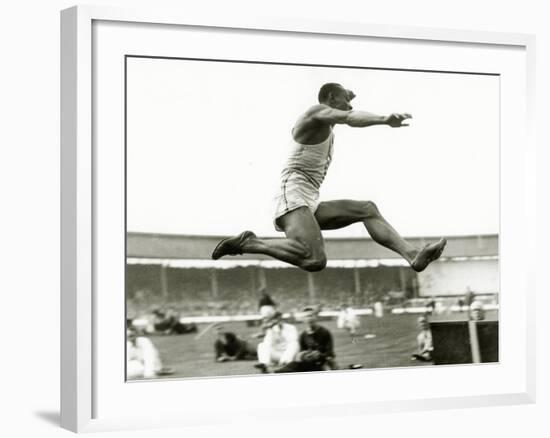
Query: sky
x: 206, y: 142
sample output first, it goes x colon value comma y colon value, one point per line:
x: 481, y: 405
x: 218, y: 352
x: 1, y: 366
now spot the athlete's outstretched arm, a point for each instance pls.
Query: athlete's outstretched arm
x: 358, y: 119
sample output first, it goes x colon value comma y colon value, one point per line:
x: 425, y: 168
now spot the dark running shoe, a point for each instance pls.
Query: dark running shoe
x: 232, y: 245
x: 428, y: 254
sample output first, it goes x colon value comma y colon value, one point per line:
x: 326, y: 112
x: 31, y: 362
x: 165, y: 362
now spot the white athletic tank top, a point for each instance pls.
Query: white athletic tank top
x: 312, y: 160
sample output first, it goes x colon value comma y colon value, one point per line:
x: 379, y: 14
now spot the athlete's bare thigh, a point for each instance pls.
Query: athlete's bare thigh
x: 301, y: 225
x: 332, y: 215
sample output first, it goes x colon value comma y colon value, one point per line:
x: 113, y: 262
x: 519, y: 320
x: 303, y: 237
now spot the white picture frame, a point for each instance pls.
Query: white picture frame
x: 81, y: 374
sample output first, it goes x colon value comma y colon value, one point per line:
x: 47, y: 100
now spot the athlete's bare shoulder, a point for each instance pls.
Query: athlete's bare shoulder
x: 309, y: 129
x: 315, y: 109
x: 310, y: 114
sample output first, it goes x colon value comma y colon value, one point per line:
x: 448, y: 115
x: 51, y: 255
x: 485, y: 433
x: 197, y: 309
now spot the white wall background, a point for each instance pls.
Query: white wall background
x: 455, y: 277
x: 182, y: 151
x: 29, y: 182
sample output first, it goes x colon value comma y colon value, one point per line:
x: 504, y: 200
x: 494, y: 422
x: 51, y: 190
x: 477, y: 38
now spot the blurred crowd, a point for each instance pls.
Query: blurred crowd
x: 279, y: 347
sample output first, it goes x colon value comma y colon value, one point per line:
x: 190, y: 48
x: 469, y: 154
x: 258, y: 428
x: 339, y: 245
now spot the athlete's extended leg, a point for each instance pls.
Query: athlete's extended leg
x: 303, y: 247
x: 338, y: 214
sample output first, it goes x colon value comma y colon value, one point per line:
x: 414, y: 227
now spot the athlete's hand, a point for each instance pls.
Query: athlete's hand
x: 395, y: 120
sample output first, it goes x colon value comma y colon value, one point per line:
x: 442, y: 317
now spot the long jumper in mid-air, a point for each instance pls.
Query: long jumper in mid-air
x: 301, y: 216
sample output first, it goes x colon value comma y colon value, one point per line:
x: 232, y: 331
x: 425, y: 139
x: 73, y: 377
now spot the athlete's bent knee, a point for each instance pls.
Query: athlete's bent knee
x: 370, y: 209
x: 314, y: 264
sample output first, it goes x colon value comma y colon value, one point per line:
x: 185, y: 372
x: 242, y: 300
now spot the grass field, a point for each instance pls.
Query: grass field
x: 392, y: 346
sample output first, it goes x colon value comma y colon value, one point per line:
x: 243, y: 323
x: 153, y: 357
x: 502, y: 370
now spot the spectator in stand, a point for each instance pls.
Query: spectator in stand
x: 469, y: 297
x: 424, y: 341
x: 280, y: 344
x: 431, y: 306
x: 266, y: 305
x: 228, y: 346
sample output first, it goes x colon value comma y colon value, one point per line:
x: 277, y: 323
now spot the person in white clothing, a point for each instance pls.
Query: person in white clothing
x: 280, y: 344
x: 347, y: 319
x: 142, y: 357
x: 266, y: 305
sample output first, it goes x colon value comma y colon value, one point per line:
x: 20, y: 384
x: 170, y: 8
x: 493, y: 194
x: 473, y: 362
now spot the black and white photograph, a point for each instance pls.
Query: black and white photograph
x: 288, y: 218
x: 275, y: 219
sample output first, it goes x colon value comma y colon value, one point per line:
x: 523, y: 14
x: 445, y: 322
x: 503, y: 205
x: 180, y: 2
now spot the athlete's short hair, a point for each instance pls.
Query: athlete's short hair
x: 326, y: 89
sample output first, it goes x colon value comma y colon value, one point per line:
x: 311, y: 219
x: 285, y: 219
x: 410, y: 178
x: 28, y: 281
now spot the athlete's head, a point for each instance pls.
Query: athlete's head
x: 336, y: 96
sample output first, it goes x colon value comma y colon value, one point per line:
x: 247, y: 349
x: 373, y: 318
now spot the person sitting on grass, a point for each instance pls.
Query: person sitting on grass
x: 316, y: 347
x: 424, y: 341
x: 280, y: 344
x: 229, y: 347
x: 143, y: 358
x: 168, y: 323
